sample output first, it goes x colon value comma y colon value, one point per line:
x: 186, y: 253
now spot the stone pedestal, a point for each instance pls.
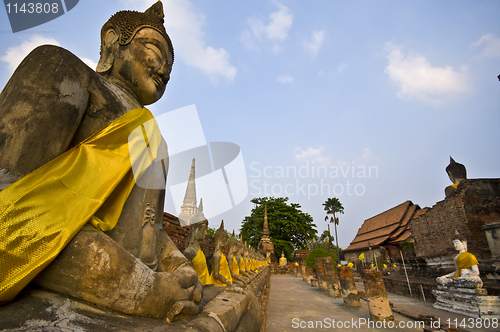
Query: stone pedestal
x: 307, y: 274
x: 467, y: 301
x: 378, y: 302
x: 327, y: 276
x: 348, y: 287
x: 319, y: 267
x: 299, y: 271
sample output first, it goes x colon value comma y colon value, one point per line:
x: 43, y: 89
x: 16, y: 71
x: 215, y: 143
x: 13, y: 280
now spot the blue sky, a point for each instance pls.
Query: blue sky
x: 388, y: 86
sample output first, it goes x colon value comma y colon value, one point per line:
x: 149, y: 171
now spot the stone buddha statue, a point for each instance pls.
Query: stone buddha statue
x: 221, y: 273
x: 283, y: 260
x: 467, y: 270
x: 198, y: 226
x: 238, y: 278
x: 457, y: 173
x: 241, y: 260
x: 67, y: 177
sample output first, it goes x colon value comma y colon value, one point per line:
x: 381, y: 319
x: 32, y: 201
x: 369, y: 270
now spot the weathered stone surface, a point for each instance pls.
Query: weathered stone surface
x: 378, y: 302
x: 319, y: 267
x: 467, y: 301
x: 348, y: 287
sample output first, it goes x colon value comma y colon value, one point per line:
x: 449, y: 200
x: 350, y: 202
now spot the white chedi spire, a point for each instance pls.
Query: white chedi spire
x: 189, y: 208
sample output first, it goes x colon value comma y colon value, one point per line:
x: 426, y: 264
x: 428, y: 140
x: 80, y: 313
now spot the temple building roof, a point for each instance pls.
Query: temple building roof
x: 388, y: 227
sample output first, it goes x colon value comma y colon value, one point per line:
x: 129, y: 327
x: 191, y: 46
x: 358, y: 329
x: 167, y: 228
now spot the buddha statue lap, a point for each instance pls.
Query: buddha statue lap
x: 55, y: 109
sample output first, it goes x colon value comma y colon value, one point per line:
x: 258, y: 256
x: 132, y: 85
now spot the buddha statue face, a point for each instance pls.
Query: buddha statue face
x: 143, y: 65
x: 459, y: 245
x: 136, y: 53
x: 199, y: 230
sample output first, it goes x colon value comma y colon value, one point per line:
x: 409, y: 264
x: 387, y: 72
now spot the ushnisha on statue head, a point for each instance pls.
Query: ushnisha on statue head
x: 137, y: 53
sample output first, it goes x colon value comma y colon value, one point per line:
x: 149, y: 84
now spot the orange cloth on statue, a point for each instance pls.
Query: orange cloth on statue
x: 200, y: 266
x: 41, y: 212
x: 465, y: 260
x: 223, y: 271
x: 242, y: 264
x: 236, y: 269
x: 282, y: 261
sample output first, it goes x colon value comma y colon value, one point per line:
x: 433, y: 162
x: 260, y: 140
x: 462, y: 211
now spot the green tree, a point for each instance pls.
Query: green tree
x: 289, y: 227
x: 319, y: 252
x: 332, y: 206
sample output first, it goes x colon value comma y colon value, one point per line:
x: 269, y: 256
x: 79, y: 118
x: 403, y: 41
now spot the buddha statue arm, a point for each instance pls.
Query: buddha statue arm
x: 107, y: 275
x: 216, y: 268
x: 190, y: 252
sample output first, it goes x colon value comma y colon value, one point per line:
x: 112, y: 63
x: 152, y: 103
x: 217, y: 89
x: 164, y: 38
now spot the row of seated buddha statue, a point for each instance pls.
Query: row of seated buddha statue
x: 237, y: 267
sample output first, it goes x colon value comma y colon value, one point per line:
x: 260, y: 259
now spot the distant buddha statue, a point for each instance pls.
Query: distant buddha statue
x: 70, y: 139
x: 233, y: 263
x: 221, y: 274
x: 457, y: 173
x: 466, y: 268
x: 198, y: 226
x: 283, y: 260
x: 268, y: 257
x: 241, y: 260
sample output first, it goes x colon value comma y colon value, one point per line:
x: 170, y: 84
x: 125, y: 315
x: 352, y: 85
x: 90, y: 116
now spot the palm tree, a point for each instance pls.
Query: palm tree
x: 332, y: 206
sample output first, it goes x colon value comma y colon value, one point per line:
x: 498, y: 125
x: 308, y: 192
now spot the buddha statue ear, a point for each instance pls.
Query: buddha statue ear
x: 108, y: 48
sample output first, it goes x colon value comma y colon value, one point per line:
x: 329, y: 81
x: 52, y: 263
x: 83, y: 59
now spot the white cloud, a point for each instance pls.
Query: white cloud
x: 342, y: 67
x: 419, y: 80
x: 314, y: 44
x: 184, y: 25
x: 312, y: 155
x: 274, y: 29
x: 490, y: 44
x: 16, y: 54
x: 284, y: 79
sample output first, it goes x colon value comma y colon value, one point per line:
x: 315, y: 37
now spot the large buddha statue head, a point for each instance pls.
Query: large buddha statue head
x: 456, y: 172
x: 136, y: 53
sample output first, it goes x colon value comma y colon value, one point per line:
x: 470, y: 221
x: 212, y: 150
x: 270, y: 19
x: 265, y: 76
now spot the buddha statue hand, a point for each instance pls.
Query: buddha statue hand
x: 182, y: 289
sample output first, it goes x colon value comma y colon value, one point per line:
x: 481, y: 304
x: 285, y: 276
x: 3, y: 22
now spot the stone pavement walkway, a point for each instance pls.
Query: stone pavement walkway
x: 296, y: 306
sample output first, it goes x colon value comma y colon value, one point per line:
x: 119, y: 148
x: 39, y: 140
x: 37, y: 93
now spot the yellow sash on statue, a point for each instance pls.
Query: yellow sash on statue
x: 465, y: 260
x: 236, y: 269
x: 200, y: 266
x: 41, y: 212
x: 223, y: 271
x: 242, y: 264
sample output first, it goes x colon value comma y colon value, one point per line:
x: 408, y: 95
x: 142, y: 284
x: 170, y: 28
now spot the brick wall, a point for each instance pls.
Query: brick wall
x: 475, y: 203
x: 180, y: 235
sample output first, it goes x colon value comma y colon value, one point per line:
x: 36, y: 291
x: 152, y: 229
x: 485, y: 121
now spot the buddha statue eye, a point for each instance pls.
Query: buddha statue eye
x: 156, y: 51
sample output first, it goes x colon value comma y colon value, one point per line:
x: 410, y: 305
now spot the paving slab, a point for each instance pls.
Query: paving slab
x: 296, y: 306
x: 412, y: 308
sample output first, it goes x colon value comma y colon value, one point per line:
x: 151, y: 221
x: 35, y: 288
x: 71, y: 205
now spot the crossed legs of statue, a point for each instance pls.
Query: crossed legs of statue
x: 134, y: 268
